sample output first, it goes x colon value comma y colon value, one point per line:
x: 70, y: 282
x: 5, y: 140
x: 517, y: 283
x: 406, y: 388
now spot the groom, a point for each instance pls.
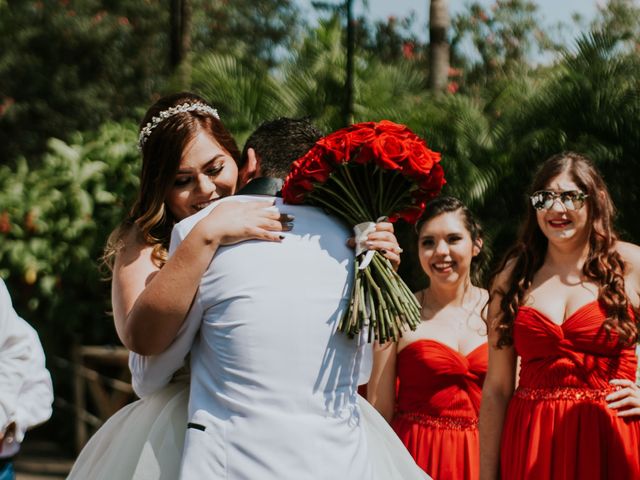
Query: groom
x: 273, y: 385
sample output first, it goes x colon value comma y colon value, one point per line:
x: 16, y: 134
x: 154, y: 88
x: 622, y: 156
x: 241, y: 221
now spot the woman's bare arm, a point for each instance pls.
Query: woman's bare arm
x: 496, y: 392
x: 150, y: 304
x: 381, y: 389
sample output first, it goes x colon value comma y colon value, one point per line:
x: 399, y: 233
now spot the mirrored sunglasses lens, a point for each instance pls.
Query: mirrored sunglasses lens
x: 548, y: 200
x: 573, y: 200
x: 568, y: 203
x: 536, y: 202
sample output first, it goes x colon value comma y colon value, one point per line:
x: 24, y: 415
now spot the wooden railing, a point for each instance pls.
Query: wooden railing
x: 100, y: 377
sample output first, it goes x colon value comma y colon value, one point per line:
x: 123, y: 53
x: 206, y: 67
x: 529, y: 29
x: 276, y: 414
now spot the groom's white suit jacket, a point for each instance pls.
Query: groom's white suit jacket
x: 273, y: 385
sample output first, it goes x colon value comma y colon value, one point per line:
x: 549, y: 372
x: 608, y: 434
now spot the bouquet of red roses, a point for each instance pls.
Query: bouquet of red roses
x: 363, y: 173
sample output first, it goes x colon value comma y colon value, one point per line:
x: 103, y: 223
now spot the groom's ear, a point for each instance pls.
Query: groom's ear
x: 250, y: 169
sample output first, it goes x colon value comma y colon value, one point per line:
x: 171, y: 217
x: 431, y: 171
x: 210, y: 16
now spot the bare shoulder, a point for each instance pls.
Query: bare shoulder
x: 132, y: 249
x: 499, y: 287
x: 630, y: 253
x: 500, y: 282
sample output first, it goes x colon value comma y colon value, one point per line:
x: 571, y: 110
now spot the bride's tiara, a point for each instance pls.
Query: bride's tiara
x: 169, y: 112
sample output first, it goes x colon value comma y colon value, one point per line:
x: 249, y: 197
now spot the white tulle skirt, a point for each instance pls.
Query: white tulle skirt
x: 144, y: 441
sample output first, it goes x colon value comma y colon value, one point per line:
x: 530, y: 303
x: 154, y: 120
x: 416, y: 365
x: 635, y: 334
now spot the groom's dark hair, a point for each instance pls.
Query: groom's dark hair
x: 279, y: 142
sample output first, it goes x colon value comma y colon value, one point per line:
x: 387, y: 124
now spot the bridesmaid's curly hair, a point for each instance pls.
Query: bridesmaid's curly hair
x: 603, y: 265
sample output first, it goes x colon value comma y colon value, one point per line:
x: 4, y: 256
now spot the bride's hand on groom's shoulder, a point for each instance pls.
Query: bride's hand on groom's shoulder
x: 234, y: 222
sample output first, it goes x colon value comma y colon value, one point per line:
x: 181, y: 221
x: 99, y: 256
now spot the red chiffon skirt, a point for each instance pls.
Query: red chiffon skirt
x: 558, y: 425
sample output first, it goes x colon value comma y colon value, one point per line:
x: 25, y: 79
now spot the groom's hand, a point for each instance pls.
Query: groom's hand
x: 234, y: 222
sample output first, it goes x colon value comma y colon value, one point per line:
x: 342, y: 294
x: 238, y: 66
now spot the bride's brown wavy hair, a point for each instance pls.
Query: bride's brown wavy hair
x: 161, y: 155
x: 603, y: 265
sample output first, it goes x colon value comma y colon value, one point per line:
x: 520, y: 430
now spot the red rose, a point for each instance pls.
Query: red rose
x: 409, y: 215
x: 420, y: 162
x: 363, y: 134
x: 315, y: 166
x: 389, y: 151
x: 435, y: 180
x: 396, y: 129
x: 364, y: 155
x: 336, y: 146
x: 360, y: 126
x: 295, y: 189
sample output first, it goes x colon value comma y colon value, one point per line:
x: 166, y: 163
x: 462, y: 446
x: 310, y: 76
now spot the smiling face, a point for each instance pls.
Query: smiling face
x: 560, y: 224
x: 206, y: 172
x: 446, y: 249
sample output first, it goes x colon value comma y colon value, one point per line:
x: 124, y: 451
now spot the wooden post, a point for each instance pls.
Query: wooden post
x: 79, y: 398
x: 348, y: 87
x: 108, y: 394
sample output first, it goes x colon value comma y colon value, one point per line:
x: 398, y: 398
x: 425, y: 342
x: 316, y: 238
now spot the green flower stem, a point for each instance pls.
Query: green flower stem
x: 353, y: 307
x: 395, y: 309
x: 349, y: 193
x: 380, y: 300
x: 403, y: 197
x: 371, y: 194
x: 353, y: 213
x: 354, y: 189
x: 373, y: 319
x: 383, y: 304
x: 397, y: 191
x: 331, y: 208
x: 400, y: 294
x: 394, y: 188
x: 362, y: 308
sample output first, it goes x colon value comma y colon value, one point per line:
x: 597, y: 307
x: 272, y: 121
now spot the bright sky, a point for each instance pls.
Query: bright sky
x: 552, y: 11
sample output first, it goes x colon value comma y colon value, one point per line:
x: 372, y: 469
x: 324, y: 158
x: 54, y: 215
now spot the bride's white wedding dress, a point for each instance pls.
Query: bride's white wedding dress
x: 144, y: 440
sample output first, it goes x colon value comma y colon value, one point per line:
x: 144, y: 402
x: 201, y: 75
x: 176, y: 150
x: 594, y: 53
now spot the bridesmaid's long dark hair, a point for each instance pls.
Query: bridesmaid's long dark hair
x: 603, y: 265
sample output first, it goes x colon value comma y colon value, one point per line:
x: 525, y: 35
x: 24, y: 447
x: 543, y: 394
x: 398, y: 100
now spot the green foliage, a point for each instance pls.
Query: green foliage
x: 246, y: 29
x: 54, y: 221
x: 244, y: 96
x: 71, y: 65
x: 504, y: 38
x: 621, y: 17
x: 309, y: 83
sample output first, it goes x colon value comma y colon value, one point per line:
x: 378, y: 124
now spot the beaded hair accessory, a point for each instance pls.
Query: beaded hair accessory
x: 171, y: 111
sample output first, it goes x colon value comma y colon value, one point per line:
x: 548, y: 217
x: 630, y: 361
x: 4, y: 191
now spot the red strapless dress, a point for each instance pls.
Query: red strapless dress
x: 558, y: 425
x: 437, y: 407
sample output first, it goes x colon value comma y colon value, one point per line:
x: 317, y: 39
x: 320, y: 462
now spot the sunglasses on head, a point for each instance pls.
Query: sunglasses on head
x: 571, y: 199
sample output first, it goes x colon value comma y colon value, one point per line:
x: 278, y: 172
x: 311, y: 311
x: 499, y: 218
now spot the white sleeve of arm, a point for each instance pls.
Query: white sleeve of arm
x: 14, y: 358
x: 36, y: 396
x: 150, y: 373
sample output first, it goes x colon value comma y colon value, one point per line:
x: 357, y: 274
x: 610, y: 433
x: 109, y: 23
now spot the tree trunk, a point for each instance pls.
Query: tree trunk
x: 180, y: 35
x: 348, y: 88
x: 439, y: 23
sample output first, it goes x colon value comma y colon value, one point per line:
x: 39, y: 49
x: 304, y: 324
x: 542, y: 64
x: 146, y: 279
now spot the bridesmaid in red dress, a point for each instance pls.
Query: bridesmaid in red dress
x: 565, y: 300
x: 428, y: 385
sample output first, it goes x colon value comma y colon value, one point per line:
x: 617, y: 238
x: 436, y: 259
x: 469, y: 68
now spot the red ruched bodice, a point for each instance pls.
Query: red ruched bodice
x: 558, y: 424
x: 437, y: 407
